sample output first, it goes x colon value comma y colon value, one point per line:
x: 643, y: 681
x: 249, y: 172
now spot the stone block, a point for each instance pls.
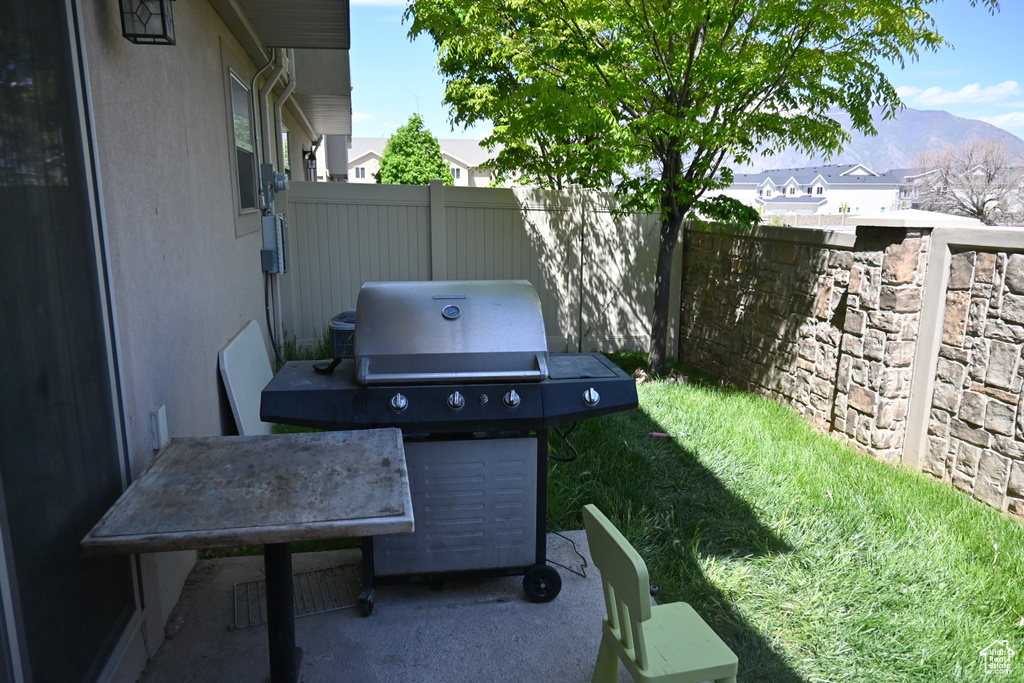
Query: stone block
x: 1020, y: 421
x: 1015, y: 485
x: 999, y: 417
x: 985, y: 267
x: 863, y: 431
x: 1003, y: 360
x: 935, y: 459
x: 885, y: 420
x: 840, y: 259
x: 874, y: 344
x: 910, y: 326
x: 972, y: 408
x: 893, y: 384
x: 938, y: 425
x: 881, y: 438
x: 807, y: 349
x: 1008, y: 446
x: 900, y: 407
x: 961, y: 481
x: 1013, y: 308
x: 1014, y: 277
x: 961, y: 270
x: 853, y: 345
x: 901, y: 262
x: 858, y: 371
x: 959, y: 429
x: 900, y: 299
x: 950, y: 371
x: 844, y: 373
x: 990, y: 482
x: 823, y: 299
x: 954, y: 323
x: 946, y: 397
x: 885, y: 321
x: 955, y: 354
x: 855, y: 322
x: 967, y: 458
x: 899, y: 354
x: 1002, y: 331
x: 977, y: 367
x: 976, y: 315
x: 863, y: 400
x: 1015, y: 508
x: 856, y: 279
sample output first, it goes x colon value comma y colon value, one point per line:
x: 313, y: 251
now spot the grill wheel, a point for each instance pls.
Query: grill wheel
x: 542, y: 583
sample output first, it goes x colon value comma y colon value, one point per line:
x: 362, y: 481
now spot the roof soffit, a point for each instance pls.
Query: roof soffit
x: 309, y: 24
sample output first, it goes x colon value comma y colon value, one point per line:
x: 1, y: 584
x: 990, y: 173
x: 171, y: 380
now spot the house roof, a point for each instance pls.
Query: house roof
x: 833, y: 174
x: 468, y: 153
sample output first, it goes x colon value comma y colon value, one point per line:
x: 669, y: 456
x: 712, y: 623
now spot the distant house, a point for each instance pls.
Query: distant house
x: 464, y: 158
x: 830, y: 189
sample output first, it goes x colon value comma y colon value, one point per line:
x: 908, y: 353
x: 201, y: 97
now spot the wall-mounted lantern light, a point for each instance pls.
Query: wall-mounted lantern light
x: 147, y: 22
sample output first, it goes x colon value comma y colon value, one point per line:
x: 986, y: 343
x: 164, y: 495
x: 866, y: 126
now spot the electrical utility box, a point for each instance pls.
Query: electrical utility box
x: 273, y: 256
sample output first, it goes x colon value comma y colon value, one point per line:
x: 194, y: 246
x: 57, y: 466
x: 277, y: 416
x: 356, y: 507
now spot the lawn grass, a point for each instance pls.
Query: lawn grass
x: 812, y: 561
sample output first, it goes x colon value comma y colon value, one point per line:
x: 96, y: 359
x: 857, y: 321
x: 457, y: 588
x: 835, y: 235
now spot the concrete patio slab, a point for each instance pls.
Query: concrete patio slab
x: 473, y: 630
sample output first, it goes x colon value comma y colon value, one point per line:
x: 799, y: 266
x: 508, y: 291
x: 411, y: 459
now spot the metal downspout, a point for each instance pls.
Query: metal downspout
x: 265, y: 95
x: 285, y: 94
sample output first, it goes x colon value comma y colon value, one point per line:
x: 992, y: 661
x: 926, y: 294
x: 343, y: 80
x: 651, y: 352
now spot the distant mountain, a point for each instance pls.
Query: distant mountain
x: 898, y: 143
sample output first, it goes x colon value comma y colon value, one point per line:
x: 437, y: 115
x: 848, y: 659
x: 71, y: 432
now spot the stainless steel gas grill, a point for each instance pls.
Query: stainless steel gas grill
x: 463, y: 369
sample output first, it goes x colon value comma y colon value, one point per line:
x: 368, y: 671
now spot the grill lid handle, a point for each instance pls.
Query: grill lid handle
x: 364, y: 376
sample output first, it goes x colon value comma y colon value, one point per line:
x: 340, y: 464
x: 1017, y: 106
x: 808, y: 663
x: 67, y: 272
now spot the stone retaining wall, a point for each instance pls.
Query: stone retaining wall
x: 976, y: 432
x: 830, y: 322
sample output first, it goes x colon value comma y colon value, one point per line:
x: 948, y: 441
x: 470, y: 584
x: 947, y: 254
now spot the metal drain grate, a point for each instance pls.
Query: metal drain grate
x: 320, y: 590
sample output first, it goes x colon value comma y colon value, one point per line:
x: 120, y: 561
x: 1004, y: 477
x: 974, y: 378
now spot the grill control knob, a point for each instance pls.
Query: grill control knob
x: 456, y: 401
x: 399, y: 403
x: 511, y: 398
x: 591, y: 397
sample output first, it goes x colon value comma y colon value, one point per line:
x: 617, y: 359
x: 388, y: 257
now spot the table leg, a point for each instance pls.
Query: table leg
x: 277, y: 563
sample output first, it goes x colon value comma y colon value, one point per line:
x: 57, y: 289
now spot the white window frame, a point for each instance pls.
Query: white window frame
x: 242, y: 147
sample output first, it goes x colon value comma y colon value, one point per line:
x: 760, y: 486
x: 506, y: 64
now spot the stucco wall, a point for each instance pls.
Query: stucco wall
x: 184, y: 264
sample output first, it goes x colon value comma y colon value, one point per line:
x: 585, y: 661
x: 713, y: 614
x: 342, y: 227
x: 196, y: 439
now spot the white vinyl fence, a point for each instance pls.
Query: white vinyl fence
x: 594, y: 271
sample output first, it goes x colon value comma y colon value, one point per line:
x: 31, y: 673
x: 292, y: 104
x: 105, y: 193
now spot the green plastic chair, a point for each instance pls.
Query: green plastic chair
x: 668, y: 643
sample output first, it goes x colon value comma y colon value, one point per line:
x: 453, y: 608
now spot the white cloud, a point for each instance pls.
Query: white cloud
x: 906, y: 91
x: 1012, y: 121
x: 359, y: 116
x: 973, y: 93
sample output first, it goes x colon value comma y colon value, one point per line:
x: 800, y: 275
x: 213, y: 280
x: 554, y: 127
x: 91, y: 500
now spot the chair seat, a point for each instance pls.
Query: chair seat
x: 682, y: 648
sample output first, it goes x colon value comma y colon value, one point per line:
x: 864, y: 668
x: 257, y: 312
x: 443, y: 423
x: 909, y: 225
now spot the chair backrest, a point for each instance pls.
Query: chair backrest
x: 245, y: 368
x: 624, y: 578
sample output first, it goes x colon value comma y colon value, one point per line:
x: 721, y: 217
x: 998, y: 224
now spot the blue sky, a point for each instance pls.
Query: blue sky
x: 981, y: 78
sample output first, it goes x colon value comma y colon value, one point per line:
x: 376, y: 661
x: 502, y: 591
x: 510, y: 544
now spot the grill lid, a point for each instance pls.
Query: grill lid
x: 447, y: 331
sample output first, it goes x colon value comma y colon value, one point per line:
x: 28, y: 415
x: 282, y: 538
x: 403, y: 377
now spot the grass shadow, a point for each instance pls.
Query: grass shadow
x: 680, y: 517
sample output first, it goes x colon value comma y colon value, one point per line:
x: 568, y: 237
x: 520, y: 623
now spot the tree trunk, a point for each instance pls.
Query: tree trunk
x: 658, y: 353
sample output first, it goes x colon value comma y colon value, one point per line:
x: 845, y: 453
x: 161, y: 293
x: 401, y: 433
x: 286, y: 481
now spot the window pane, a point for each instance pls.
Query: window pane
x: 241, y: 112
x: 246, y: 179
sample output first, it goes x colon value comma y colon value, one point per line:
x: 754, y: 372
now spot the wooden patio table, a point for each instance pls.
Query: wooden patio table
x: 222, y: 491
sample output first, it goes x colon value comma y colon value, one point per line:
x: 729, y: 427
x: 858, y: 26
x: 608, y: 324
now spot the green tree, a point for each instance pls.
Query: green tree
x: 667, y: 94
x: 412, y: 156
